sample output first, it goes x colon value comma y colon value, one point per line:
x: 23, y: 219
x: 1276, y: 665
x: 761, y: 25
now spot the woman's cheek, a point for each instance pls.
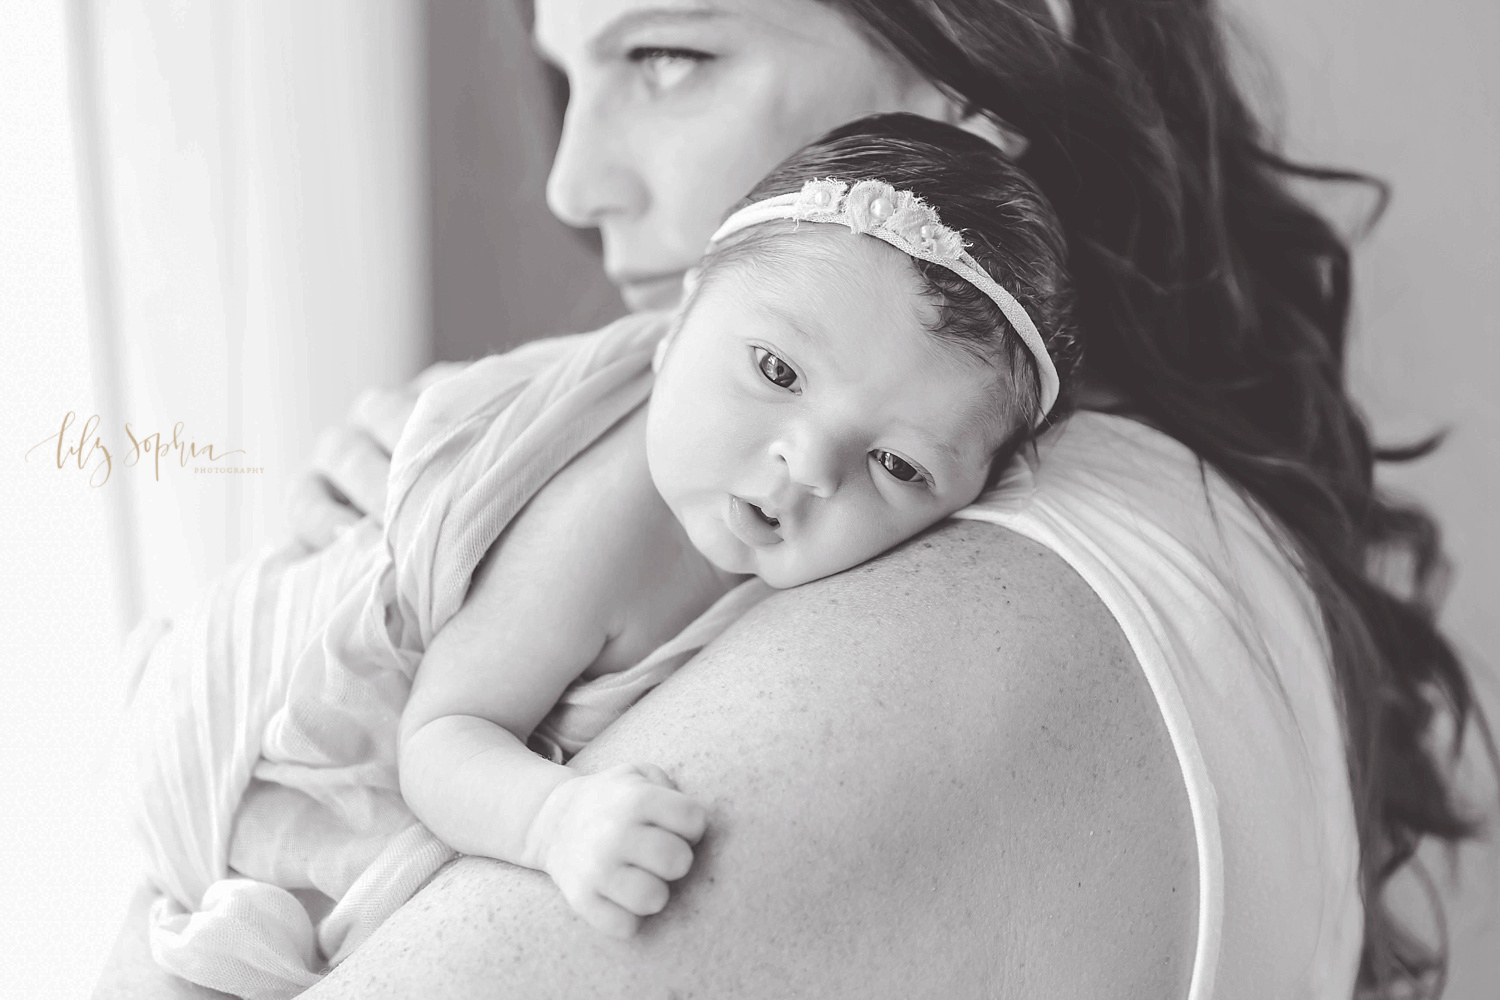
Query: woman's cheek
x: 717, y: 162
x: 698, y: 171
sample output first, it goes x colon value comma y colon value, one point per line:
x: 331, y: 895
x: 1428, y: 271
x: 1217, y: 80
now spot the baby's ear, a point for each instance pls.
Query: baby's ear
x: 690, y: 280
x: 662, y: 346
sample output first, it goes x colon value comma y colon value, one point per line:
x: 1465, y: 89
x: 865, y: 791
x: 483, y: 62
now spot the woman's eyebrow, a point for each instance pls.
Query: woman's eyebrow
x: 607, y: 40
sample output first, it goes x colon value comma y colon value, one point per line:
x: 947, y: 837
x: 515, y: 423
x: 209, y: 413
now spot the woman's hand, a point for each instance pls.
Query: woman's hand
x: 352, y: 462
x: 613, y: 840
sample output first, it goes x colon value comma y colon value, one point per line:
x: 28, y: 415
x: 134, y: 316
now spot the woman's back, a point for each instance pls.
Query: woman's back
x: 1232, y: 646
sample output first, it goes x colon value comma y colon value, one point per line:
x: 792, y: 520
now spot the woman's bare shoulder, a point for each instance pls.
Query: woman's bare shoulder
x: 941, y: 773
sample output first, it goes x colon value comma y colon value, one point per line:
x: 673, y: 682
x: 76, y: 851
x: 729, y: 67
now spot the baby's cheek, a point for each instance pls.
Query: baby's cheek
x: 845, y: 545
x: 679, y: 435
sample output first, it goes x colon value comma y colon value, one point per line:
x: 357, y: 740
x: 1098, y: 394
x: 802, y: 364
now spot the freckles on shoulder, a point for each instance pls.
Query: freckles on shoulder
x: 978, y: 610
x: 965, y: 567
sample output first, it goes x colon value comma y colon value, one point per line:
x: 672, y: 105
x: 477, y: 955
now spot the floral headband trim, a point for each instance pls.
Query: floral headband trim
x: 910, y: 225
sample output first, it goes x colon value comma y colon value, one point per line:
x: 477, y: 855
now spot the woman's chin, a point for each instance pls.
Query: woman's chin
x: 652, y: 293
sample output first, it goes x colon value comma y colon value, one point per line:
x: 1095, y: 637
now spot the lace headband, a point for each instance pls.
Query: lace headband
x: 910, y: 225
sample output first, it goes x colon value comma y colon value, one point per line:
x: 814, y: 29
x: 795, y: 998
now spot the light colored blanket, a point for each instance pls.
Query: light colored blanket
x: 264, y: 725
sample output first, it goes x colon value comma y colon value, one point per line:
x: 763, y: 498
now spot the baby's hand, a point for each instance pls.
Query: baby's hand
x: 613, y: 840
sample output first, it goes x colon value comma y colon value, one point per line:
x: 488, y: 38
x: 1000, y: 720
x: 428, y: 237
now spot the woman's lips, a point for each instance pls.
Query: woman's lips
x: 750, y: 525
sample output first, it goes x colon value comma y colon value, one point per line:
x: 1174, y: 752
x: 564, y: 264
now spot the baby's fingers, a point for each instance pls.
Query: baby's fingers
x: 663, y: 854
x: 676, y: 813
x: 608, y: 916
x: 655, y: 775
x: 636, y: 891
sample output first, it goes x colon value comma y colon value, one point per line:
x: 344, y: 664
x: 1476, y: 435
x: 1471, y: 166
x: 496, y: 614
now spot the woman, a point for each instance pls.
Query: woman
x: 982, y: 764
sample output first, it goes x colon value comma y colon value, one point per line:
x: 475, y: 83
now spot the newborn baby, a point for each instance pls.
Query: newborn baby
x: 841, y: 376
x: 865, y: 343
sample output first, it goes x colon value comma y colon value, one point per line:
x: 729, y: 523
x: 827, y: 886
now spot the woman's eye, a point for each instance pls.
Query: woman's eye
x: 776, y: 371
x: 665, y: 68
x: 898, y: 467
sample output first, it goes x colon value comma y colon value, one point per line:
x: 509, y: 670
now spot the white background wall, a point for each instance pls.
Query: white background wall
x: 1410, y: 92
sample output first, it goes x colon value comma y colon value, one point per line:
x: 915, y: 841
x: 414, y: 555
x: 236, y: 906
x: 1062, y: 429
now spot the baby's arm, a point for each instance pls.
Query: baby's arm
x: 537, y: 615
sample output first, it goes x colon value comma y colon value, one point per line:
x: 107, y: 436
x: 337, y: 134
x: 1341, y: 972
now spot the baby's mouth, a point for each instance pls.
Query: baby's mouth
x: 751, y: 524
x: 773, y: 522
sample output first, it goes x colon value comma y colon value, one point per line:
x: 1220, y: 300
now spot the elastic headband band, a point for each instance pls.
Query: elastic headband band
x: 910, y: 225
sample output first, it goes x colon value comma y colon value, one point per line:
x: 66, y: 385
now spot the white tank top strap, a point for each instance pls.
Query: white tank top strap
x: 1231, y: 644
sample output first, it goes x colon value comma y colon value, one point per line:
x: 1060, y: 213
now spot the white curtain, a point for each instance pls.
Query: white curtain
x: 258, y: 228
x: 211, y: 211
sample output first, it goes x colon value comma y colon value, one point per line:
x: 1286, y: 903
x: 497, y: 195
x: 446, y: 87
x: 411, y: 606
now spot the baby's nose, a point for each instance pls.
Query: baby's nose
x: 814, y: 462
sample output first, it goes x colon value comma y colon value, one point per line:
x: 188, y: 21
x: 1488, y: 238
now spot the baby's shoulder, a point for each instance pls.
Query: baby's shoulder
x: 598, y: 541
x: 600, y: 500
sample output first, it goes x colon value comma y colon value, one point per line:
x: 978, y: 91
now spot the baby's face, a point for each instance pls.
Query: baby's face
x: 804, y: 420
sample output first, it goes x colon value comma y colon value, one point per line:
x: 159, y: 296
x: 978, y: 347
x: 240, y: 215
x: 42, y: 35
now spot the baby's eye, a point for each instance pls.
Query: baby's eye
x: 898, y: 466
x: 665, y: 67
x: 776, y: 371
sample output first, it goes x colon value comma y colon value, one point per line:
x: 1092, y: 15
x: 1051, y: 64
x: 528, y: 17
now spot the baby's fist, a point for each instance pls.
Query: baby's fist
x: 613, y: 840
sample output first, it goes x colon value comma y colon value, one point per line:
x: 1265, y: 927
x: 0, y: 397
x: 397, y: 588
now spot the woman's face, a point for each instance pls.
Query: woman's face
x: 805, y: 420
x: 678, y: 107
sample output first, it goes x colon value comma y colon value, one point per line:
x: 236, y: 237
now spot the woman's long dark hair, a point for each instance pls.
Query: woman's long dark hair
x: 1218, y: 303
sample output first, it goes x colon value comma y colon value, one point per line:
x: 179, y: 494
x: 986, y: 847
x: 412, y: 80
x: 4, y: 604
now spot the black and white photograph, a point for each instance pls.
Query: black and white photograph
x: 580, y: 499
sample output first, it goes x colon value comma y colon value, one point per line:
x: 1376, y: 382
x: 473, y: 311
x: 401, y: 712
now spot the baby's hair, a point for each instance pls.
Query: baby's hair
x: 1010, y: 229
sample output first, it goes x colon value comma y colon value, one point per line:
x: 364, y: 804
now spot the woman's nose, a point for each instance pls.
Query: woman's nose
x: 591, y: 180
